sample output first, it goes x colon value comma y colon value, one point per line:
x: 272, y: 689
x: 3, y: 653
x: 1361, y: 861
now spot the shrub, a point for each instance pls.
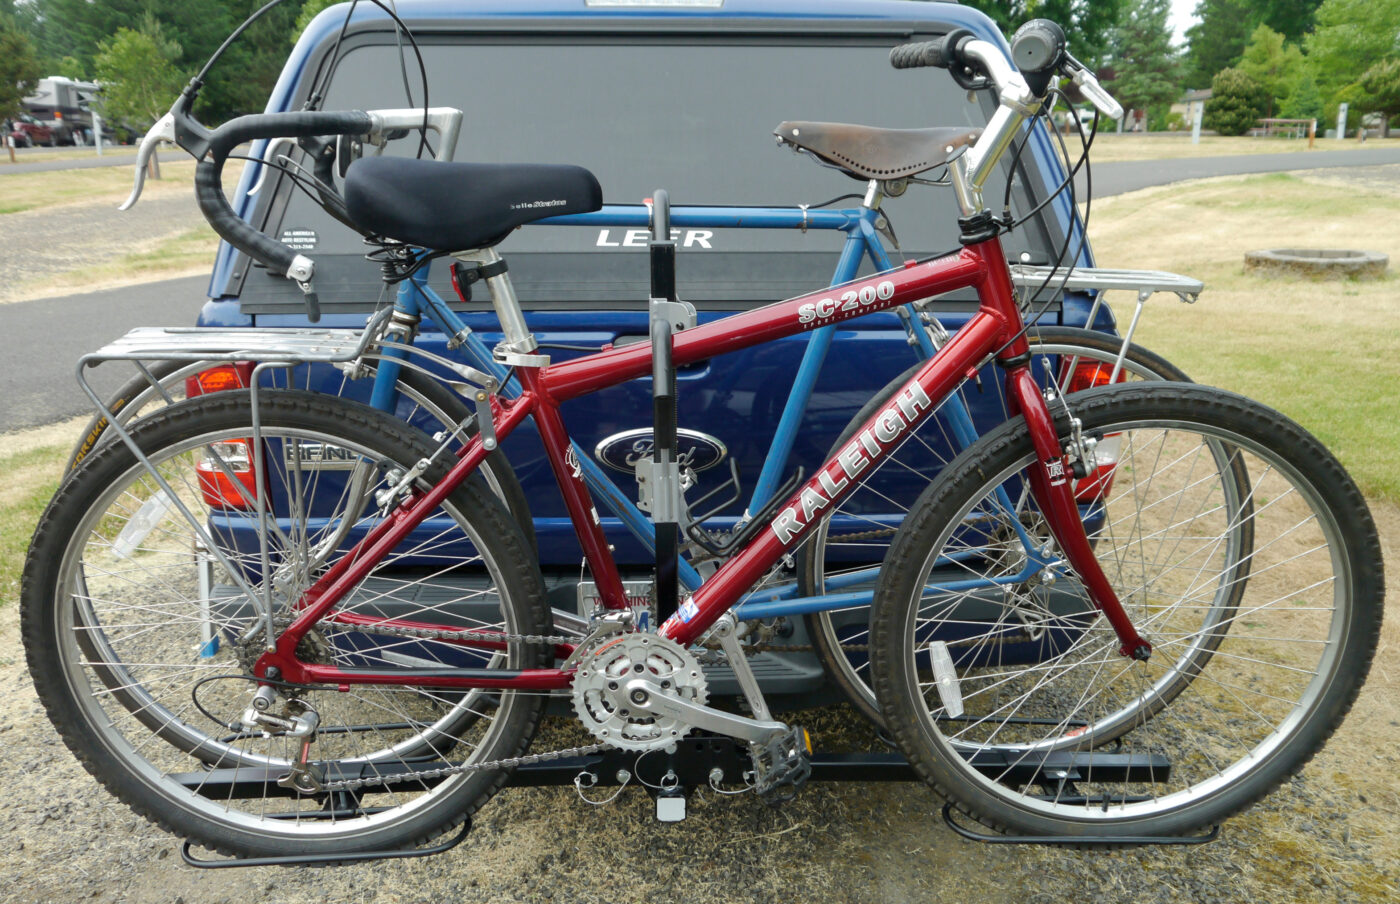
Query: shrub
x: 1235, y: 104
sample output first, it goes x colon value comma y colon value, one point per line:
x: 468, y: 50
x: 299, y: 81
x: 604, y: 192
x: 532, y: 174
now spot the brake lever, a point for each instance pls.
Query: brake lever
x: 163, y: 130
x: 273, y: 148
x: 1089, y: 86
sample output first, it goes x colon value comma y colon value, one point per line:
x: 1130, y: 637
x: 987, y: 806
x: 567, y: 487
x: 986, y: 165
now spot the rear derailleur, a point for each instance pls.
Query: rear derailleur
x: 297, y: 720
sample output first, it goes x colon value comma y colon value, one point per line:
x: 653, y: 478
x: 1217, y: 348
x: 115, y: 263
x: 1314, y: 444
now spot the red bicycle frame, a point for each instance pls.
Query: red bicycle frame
x: 995, y: 330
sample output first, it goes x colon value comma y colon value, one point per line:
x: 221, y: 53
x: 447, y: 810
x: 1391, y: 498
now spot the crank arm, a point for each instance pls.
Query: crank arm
x: 728, y: 724
x: 726, y: 629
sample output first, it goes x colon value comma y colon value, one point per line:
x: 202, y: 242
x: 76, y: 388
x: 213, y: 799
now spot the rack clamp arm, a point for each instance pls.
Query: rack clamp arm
x: 668, y: 315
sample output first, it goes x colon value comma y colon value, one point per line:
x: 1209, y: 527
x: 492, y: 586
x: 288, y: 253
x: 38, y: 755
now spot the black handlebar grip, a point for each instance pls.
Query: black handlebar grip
x: 914, y: 56
x: 209, y: 192
x: 1038, y: 46
x: 208, y: 176
x: 287, y: 125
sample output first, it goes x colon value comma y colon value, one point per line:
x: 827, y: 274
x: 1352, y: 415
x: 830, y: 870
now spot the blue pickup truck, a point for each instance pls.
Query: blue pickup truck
x: 646, y: 94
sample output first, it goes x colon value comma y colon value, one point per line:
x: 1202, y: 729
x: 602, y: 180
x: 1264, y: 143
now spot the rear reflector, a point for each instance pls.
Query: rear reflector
x: 217, y: 379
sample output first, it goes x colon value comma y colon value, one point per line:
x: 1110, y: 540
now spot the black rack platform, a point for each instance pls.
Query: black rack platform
x: 699, y: 762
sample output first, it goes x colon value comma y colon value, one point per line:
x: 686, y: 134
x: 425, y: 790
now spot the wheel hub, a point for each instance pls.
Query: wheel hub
x: 610, y: 708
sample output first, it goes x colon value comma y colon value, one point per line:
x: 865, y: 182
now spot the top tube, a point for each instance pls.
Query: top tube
x: 718, y: 216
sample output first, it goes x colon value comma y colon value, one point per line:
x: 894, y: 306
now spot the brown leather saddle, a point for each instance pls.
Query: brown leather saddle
x: 870, y: 153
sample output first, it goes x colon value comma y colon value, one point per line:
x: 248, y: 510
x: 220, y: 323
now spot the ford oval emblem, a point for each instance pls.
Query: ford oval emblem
x: 695, y: 450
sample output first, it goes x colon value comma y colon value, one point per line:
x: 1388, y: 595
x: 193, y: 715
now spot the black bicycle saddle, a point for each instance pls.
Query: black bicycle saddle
x: 461, y: 206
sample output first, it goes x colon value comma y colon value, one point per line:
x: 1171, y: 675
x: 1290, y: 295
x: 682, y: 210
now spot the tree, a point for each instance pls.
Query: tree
x: 1291, y: 18
x: 72, y: 67
x: 138, y: 73
x: 1274, y: 65
x: 244, y: 75
x: 1351, y: 36
x: 1224, y: 31
x: 1146, y: 68
x: 1217, y: 40
x: 19, y: 67
x: 1087, y: 23
x: 1305, y: 101
x: 1382, y: 86
x: 1235, y: 102
x: 310, y: 10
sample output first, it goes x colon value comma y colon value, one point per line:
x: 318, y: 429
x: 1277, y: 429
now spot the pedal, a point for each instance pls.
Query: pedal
x: 782, y: 764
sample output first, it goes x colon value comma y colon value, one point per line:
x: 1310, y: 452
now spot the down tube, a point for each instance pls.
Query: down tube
x: 839, y: 477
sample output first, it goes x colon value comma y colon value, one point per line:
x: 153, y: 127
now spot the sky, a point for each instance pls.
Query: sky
x: 1182, y: 18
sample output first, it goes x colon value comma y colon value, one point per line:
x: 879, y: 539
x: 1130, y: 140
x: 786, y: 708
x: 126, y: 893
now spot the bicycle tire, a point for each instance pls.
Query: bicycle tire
x: 424, y: 402
x: 837, y: 638
x: 92, y: 614
x: 1011, y: 738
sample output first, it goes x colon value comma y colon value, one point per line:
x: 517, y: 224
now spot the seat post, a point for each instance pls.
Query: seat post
x: 517, y: 347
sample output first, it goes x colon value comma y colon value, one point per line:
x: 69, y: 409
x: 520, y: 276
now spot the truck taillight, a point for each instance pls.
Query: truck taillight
x: 226, y: 476
x: 1098, y: 483
x: 1088, y: 374
x: 217, y: 379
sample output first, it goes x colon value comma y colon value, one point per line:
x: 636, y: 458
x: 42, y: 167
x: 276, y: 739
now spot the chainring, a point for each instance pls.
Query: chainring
x: 600, y: 691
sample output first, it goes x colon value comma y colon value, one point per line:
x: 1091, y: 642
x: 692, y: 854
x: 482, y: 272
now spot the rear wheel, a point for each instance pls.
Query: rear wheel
x: 1003, y: 685
x: 140, y: 637
x: 844, y: 555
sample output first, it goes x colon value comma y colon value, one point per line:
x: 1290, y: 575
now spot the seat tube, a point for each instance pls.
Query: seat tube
x: 403, y: 325
x: 563, y: 460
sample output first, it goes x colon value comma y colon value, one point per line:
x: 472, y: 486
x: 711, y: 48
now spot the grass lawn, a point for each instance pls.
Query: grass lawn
x: 42, y: 154
x: 1110, y: 147
x: 107, y: 184
x: 1322, y: 352
x: 30, y: 462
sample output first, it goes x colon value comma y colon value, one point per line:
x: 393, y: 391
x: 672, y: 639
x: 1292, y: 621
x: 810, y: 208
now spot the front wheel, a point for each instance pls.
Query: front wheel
x: 141, y: 627
x: 843, y: 556
x: 1002, y: 684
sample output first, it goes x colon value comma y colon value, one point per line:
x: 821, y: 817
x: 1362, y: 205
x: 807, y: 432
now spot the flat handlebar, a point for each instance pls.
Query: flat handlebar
x: 1037, y: 48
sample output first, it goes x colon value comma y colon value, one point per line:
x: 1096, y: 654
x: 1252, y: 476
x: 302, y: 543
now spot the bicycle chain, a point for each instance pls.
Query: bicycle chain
x: 551, y: 640
x: 863, y: 535
x: 448, y: 634
x: 351, y: 784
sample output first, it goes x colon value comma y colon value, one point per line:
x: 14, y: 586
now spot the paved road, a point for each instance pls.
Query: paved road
x: 122, y: 157
x: 1131, y: 175
x: 45, y: 338
x: 37, y: 385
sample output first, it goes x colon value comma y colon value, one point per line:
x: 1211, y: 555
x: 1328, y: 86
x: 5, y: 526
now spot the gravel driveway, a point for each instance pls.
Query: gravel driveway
x: 39, y: 244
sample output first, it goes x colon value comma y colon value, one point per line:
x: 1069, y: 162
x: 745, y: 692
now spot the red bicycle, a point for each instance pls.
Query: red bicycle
x: 278, y: 622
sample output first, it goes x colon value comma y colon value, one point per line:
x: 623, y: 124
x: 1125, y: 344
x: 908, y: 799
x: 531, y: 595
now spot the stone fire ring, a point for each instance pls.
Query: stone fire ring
x: 1317, y: 263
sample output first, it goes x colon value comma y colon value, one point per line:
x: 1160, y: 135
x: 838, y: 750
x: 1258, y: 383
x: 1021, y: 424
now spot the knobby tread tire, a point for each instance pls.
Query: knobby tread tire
x: 519, y: 575
x: 995, y: 451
